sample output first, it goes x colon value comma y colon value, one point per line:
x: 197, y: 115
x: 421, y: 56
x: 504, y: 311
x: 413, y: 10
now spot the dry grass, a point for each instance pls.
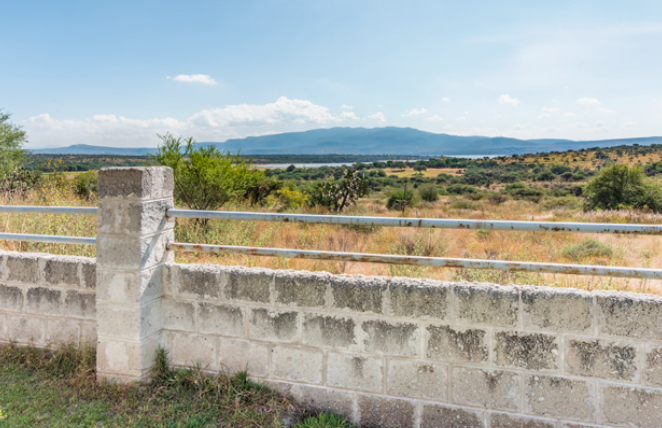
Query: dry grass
x: 625, y: 250
x: 430, y: 173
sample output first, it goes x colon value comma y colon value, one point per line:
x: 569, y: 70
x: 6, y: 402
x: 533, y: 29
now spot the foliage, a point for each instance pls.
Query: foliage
x: 13, y: 177
x: 586, y: 248
x: 619, y: 186
x: 325, y: 420
x: 336, y: 195
x: 205, y: 178
x: 461, y: 189
x: 260, y: 191
x: 287, y: 198
x: 428, y: 193
x: 86, y: 183
x: 402, y: 198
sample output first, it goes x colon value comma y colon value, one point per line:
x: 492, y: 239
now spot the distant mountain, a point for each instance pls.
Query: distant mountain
x: 377, y: 141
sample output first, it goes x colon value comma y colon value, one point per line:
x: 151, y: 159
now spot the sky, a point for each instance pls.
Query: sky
x: 119, y: 73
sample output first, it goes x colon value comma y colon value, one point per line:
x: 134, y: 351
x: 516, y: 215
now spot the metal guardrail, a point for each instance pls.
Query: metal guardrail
x: 50, y: 239
x: 525, y: 226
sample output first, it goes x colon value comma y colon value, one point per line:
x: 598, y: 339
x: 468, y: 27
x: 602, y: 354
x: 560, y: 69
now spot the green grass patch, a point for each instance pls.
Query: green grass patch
x: 587, y: 248
x: 58, y: 389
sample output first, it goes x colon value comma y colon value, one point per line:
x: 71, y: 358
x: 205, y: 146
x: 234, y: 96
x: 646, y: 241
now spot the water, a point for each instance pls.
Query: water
x: 337, y: 164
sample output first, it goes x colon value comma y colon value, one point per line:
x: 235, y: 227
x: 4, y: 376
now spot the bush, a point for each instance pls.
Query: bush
x: 86, y: 183
x: 461, y: 189
x: 619, y: 186
x: 586, y: 248
x: 337, y: 195
x: 533, y: 194
x: 428, y: 193
x: 400, y: 200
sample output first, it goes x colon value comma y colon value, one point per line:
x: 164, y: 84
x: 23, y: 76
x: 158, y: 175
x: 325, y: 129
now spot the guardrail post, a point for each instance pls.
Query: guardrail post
x: 132, y: 234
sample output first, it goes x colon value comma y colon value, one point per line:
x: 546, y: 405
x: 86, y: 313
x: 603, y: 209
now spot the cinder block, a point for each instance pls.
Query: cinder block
x: 62, y: 331
x: 239, y: 355
x: 88, y: 333
x: 130, y: 252
x: 559, y: 397
x: 23, y: 267
x: 358, y: 293
x: 652, y: 374
x: 302, y: 288
x: 292, y: 363
x: 27, y: 329
x: 249, y: 284
x: 134, y: 218
x: 178, y: 314
x: 222, y: 319
x: 332, y: 331
x: 557, y: 309
x: 136, y: 183
x: 189, y: 349
x: 79, y: 304
x: 417, y: 379
x: 125, y: 360
x: 381, y: 412
x: 504, y: 420
x: 486, y: 304
x: 492, y: 389
x: 4, y: 337
x: 531, y: 351
x: 61, y: 271
x: 11, y: 298
x: 129, y: 322
x: 418, y: 298
x: 200, y: 281
x: 459, y: 344
x: 631, y: 407
x: 133, y: 287
x: 441, y: 416
x: 632, y: 315
x: 44, y: 301
x: 322, y: 399
x: 390, y: 338
x: 277, y: 326
x: 601, y: 358
x: 355, y: 371
x: 88, y: 272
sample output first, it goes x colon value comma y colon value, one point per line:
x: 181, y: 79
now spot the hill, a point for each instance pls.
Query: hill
x: 377, y: 141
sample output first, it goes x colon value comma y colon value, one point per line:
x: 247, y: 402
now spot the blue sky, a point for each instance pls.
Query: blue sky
x: 116, y: 73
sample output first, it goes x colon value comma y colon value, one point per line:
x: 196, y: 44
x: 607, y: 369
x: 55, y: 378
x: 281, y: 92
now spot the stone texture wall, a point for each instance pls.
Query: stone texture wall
x: 46, y: 300
x: 417, y: 353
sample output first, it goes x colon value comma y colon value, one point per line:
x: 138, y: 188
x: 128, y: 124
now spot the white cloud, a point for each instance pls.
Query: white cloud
x: 446, y: 99
x: 346, y: 107
x: 435, y: 118
x: 415, y: 112
x: 605, y: 110
x: 348, y: 115
x: 506, y: 99
x: 219, y: 124
x: 379, y: 117
x: 460, y: 119
x: 551, y: 109
x: 588, y: 102
x: 628, y: 126
x: 544, y: 116
x: 195, y: 78
x: 497, y: 116
x: 570, y: 114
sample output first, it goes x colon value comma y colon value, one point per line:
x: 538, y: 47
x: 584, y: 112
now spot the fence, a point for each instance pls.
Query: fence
x: 395, y: 352
x: 524, y: 226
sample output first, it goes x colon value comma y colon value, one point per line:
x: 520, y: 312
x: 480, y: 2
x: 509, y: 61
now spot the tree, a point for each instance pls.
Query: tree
x: 419, y: 167
x: 13, y: 177
x: 619, y: 186
x: 336, y: 195
x: 205, y: 178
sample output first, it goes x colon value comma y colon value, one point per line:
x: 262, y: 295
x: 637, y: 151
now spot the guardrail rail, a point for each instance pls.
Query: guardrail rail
x: 524, y: 226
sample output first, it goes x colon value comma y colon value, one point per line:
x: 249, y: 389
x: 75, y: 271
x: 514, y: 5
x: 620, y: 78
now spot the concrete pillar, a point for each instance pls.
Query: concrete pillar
x: 132, y: 234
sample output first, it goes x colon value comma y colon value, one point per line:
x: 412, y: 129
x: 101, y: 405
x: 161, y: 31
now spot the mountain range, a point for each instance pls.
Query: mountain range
x: 377, y: 141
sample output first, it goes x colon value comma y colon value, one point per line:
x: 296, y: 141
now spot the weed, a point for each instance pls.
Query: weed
x: 325, y: 420
x: 589, y: 247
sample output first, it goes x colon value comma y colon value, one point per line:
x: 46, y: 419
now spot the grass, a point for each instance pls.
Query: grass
x: 40, y: 388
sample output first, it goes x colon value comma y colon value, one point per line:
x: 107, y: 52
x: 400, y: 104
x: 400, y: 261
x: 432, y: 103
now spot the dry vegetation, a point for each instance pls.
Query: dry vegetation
x: 617, y: 250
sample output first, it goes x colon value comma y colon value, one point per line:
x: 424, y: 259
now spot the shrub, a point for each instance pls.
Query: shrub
x: 461, y: 189
x: 337, y: 195
x: 586, y: 248
x: 428, y: 193
x: 532, y: 194
x: 86, y: 183
x: 400, y: 200
x: 619, y: 186
x: 498, y: 198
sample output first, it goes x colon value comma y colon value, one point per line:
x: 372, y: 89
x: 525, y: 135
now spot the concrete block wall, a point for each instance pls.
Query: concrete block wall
x: 406, y: 352
x: 47, y: 300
